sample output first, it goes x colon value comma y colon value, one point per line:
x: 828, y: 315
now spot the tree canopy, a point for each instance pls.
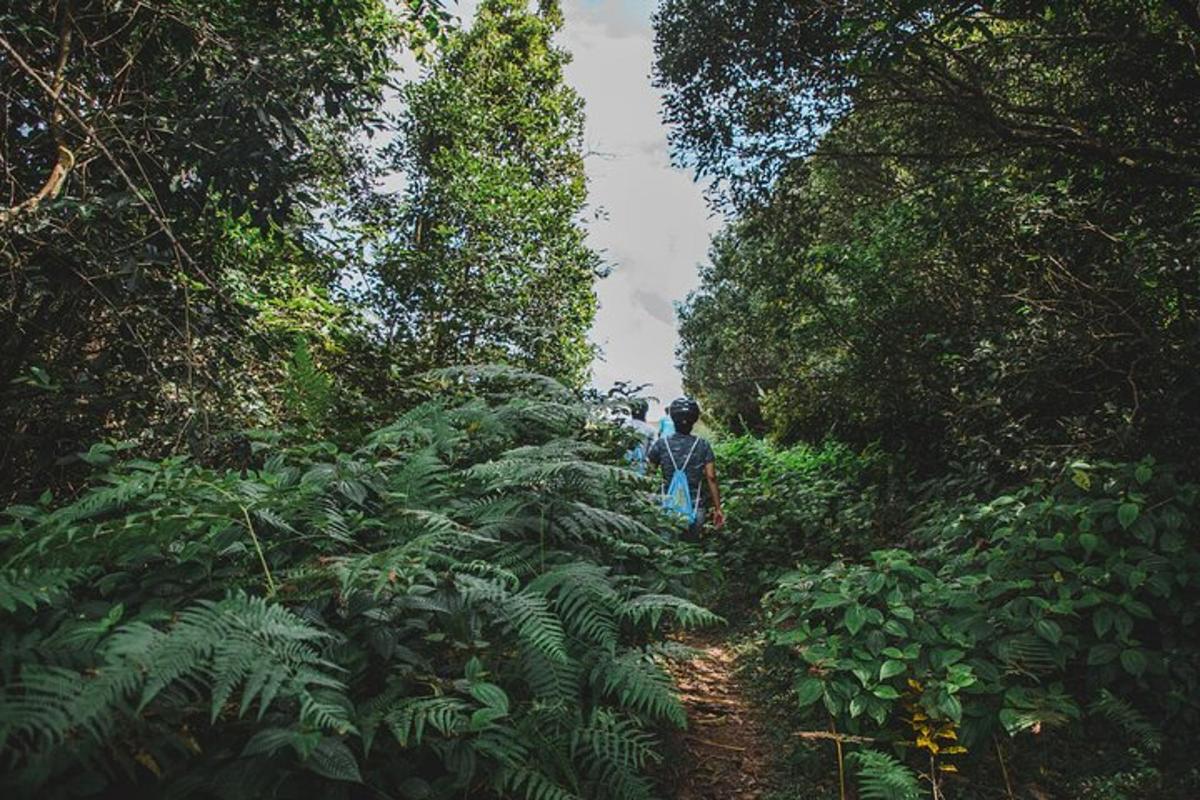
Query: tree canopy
x: 960, y: 230
x: 482, y: 256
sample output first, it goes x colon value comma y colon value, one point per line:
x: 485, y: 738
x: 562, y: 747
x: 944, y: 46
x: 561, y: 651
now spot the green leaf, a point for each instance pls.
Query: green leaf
x: 1102, y: 654
x: 855, y: 618
x: 1134, y: 661
x: 1143, y: 473
x: 951, y: 707
x: 891, y: 667
x: 1048, y: 630
x: 490, y: 695
x: 1089, y: 542
x: 885, y: 692
x: 1127, y: 514
x: 332, y: 759
x: 809, y: 690
x: 1102, y: 621
x: 829, y: 600
x: 857, y: 705
x: 481, y: 718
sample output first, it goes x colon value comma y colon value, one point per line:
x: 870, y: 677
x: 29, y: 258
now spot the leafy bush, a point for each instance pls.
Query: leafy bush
x: 464, y: 604
x: 1018, y: 614
x: 822, y: 502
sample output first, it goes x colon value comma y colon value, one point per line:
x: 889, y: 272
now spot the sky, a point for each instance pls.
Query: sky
x: 653, y: 226
x: 656, y: 226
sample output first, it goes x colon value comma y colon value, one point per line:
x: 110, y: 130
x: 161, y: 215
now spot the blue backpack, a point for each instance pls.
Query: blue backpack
x: 677, y: 497
x: 637, y: 458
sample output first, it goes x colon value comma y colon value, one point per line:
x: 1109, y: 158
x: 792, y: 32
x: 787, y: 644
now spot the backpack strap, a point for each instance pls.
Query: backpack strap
x: 671, y: 455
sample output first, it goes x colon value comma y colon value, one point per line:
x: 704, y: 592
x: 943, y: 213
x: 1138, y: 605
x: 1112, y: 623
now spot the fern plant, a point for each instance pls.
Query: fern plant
x: 464, y: 603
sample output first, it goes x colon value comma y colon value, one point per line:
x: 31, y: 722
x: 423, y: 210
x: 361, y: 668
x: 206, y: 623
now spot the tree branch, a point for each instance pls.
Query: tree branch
x: 65, y: 160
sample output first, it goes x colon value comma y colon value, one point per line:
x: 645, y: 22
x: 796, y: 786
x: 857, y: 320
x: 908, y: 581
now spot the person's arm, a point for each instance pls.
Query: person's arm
x: 710, y: 475
x: 654, y: 457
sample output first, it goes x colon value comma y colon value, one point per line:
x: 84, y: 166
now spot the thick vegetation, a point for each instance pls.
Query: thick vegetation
x: 966, y: 234
x: 1048, y: 631
x: 194, y: 185
x: 262, y: 537
x: 465, y: 599
x: 961, y: 255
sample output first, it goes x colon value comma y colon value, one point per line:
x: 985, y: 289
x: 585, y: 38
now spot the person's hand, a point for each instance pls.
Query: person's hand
x: 718, y: 518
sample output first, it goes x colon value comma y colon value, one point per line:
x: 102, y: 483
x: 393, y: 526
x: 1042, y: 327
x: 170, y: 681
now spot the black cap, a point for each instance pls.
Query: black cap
x: 684, y: 411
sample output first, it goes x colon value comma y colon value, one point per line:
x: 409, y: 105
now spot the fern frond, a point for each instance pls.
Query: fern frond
x: 529, y: 784
x: 1145, y: 734
x: 614, y: 740
x: 528, y: 613
x: 408, y: 721
x: 585, y: 600
x: 1028, y: 653
x: 883, y: 777
x: 652, y: 607
x: 32, y: 588
x: 640, y: 685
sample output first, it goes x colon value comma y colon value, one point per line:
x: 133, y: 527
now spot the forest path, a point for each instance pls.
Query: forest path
x: 725, y: 751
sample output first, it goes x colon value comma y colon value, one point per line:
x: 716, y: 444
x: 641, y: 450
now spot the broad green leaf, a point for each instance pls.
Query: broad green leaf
x: 891, y: 667
x: 1049, y: 630
x: 1127, y: 514
x: 951, y: 707
x: 854, y: 618
x: 1133, y: 660
x: 809, y: 690
x: 490, y: 695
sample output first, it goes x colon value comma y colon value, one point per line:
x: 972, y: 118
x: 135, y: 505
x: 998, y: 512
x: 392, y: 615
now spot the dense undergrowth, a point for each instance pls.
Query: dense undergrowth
x: 1039, y: 640
x: 469, y: 601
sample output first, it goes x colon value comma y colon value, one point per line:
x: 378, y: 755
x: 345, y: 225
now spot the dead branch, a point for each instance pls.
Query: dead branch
x: 65, y: 159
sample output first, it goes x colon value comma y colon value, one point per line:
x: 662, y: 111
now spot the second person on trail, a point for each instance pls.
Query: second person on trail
x: 693, y: 459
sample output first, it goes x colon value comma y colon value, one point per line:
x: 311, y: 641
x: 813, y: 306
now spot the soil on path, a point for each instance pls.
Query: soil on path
x: 725, y: 753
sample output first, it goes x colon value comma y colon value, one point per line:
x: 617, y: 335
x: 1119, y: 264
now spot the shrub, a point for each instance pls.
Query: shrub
x: 823, y: 502
x: 1018, y: 614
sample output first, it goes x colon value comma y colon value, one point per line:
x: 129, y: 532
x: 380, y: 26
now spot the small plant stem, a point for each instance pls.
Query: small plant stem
x: 837, y: 744
x: 262, y: 559
x: 1004, y: 770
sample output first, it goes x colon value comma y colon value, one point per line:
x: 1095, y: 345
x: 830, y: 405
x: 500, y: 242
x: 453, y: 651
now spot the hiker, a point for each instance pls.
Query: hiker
x: 636, y: 456
x: 685, y: 459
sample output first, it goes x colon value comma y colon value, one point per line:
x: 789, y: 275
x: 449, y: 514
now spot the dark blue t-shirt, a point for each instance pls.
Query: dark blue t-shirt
x: 680, y: 444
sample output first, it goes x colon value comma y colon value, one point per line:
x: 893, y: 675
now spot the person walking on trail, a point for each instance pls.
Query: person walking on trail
x: 636, y: 456
x: 686, y: 461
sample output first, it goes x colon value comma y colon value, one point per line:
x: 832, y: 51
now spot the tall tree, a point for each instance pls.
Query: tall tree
x: 160, y: 164
x: 484, y: 257
x: 965, y: 231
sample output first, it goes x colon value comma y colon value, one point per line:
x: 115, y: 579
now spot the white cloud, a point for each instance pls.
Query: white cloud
x: 657, y: 225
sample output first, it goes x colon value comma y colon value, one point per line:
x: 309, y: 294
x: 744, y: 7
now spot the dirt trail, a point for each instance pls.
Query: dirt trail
x: 725, y: 752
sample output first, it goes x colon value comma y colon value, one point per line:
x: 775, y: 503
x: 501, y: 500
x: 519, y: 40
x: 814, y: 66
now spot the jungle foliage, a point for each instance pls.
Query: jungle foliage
x: 190, y: 186
x: 969, y: 234
x: 1034, y: 640
x: 470, y: 599
x: 481, y: 257
x: 961, y: 257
